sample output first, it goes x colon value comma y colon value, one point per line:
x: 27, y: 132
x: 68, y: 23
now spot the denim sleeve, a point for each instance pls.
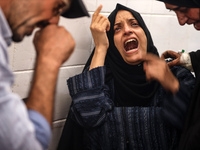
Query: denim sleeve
x: 175, y: 106
x: 16, y: 129
x: 90, y: 97
x: 42, y: 128
x: 19, y: 129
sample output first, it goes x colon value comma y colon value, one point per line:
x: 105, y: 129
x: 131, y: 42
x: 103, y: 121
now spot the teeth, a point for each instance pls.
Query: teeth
x: 130, y: 41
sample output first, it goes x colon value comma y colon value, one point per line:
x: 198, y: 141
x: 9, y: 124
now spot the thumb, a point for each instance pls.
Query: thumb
x: 37, y: 34
x: 108, y: 26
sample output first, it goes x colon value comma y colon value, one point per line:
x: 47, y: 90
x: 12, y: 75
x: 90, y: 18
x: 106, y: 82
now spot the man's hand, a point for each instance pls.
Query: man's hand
x: 157, y: 69
x: 173, y: 55
x: 54, y: 43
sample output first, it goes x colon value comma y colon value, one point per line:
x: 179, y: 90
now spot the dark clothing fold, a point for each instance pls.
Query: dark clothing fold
x: 183, y: 3
x: 94, y: 122
x: 191, y: 133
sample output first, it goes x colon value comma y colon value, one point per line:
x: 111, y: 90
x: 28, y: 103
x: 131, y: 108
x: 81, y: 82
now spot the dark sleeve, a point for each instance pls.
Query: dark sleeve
x: 175, y: 106
x: 90, y: 97
x: 195, y: 59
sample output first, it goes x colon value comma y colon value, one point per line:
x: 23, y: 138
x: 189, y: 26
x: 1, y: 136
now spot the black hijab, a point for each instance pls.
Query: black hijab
x: 184, y: 3
x: 131, y: 87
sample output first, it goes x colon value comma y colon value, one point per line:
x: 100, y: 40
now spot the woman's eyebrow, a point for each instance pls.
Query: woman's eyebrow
x: 132, y: 19
x: 117, y: 24
x: 120, y: 22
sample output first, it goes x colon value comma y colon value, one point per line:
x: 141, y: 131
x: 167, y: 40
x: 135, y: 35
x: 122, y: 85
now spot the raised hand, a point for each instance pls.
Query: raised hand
x: 53, y: 46
x: 54, y: 43
x: 99, y: 25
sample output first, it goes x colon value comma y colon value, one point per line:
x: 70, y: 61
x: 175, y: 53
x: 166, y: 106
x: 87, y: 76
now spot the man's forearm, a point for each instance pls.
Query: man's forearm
x: 41, y: 97
x: 53, y: 45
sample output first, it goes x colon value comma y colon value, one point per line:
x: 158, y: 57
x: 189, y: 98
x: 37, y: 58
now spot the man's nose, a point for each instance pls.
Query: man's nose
x: 53, y: 20
x: 182, y: 19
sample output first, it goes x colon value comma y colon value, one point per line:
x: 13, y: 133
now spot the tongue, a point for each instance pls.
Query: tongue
x: 131, y: 45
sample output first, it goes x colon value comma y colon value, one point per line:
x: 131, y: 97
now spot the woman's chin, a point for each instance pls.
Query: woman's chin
x: 133, y: 62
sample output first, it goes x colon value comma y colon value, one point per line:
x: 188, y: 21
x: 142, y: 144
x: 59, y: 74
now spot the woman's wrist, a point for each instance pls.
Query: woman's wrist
x: 98, y: 58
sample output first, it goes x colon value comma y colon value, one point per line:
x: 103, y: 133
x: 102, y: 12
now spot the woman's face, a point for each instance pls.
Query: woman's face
x: 129, y: 38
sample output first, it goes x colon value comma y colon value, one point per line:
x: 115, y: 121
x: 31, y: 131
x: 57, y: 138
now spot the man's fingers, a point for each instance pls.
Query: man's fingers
x: 37, y: 34
x: 170, y: 54
x: 170, y: 64
x: 173, y: 63
x: 163, y: 56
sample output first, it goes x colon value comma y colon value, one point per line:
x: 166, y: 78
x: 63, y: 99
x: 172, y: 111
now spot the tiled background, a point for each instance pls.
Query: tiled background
x: 163, y: 25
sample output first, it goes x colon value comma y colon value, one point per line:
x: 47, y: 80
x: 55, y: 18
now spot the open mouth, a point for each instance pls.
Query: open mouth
x: 131, y: 44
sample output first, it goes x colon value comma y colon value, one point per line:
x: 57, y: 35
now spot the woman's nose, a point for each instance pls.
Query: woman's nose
x: 127, y: 30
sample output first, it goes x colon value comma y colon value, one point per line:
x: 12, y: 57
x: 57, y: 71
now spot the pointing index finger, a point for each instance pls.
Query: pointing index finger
x: 98, y: 10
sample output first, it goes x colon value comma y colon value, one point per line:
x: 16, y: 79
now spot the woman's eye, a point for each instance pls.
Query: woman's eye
x: 134, y: 24
x: 117, y: 29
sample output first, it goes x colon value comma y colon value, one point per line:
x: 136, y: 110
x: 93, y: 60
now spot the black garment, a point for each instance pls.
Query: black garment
x: 190, y: 138
x: 72, y: 135
x: 183, y: 3
x: 197, y: 2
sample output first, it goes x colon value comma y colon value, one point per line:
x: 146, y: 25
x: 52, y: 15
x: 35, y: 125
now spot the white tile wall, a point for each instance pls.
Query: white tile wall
x: 163, y: 25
